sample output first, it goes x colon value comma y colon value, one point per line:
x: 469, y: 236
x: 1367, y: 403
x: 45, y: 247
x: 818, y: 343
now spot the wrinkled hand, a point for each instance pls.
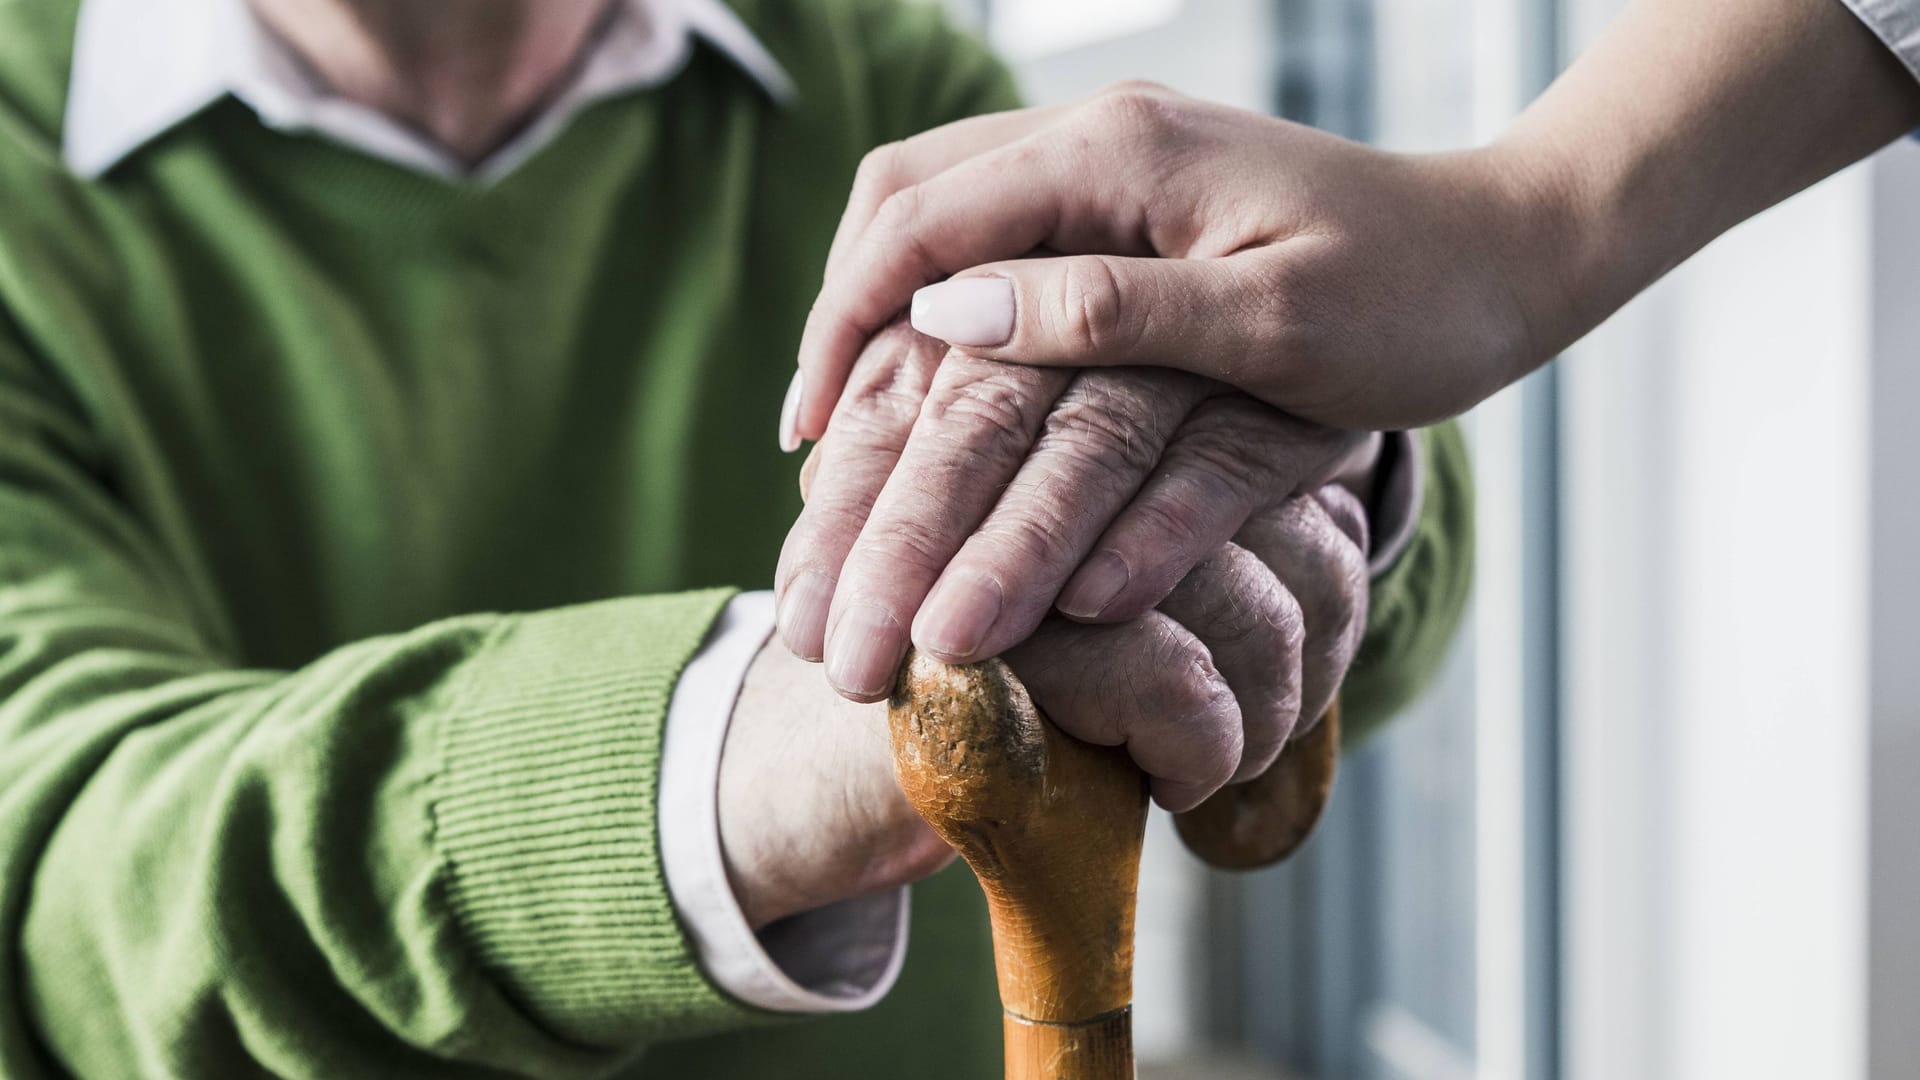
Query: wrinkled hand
x: 958, y: 501
x: 1206, y: 688
x: 1338, y: 282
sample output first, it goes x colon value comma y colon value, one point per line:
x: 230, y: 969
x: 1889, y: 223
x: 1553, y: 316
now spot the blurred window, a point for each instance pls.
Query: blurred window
x: 1414, y: 939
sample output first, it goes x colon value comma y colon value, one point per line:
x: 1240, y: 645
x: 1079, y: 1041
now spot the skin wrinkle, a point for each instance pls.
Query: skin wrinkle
x: 1302, y: 544
x: 1251, y: 625
x: 891, y: 391
x: 1039, y: 535
x: 1089, y: 306
x: 894, y: 390
x: 1028, y: 453
x: 911, y: 542
x: 974, y: 390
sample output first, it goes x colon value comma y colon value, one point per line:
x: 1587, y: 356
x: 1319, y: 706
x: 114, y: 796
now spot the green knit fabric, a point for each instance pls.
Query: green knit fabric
x: 1417, y: 604
x: 355, y: 527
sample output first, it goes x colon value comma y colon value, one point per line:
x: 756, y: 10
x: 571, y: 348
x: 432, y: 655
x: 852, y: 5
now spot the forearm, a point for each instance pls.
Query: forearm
x: 426, y: 854
x: 1685, y: 118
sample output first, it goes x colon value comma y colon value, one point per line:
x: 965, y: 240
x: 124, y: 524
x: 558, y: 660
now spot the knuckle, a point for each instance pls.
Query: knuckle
x: 828, y: 525
x: 887, y: 386
x: 1138, y: 107
x: 897, y: 211
x: 1087, y: 305
x: 1029, y: 531
x: 1105, y: 429
x: 878, y: 174
x: 908, y: 541
x: 1207, y: 723
x: 1280, y: 636
x: 897, y: 226
x: 1337, y: 594
x: 1172, y: 521
x: 1025, y: 157
x: 1229, y: 605
x: 1183, y: 723
x: 1217, y: 453
x: 1195, y: 685
x: 979, y: 402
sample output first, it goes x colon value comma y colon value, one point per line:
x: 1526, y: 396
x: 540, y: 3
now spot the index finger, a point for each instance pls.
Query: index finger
x: 844, y: 476
x: 887, y: 169
x: 976, y: 427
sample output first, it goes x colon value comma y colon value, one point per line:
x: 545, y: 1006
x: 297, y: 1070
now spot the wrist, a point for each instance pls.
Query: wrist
x: 810, y: 812
x: 1549, y: 231
x: 1659, y: 138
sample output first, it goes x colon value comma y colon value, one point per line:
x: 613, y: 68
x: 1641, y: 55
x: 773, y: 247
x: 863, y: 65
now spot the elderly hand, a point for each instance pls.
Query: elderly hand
x: 1206, y: 688
x: 960, y: 501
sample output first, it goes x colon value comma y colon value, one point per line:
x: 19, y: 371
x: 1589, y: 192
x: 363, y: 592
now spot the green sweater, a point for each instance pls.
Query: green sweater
x: 281, y: 424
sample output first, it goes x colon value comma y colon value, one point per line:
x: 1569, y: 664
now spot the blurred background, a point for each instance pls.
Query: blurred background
x: 1658, y: 819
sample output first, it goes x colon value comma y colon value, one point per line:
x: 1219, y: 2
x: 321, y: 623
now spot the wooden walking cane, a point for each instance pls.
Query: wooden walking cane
x: 1052, y: 828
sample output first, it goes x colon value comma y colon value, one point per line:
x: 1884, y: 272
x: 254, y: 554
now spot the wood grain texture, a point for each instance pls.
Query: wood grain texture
x: 1051, y: 826
x: 1097, y: 1049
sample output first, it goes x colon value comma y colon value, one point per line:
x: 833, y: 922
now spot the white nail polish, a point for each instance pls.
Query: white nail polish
x: 790, y: 416
x: 966, y: 311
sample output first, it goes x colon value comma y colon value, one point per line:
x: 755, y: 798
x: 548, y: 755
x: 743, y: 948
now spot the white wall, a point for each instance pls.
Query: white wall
x: 1716, y: 748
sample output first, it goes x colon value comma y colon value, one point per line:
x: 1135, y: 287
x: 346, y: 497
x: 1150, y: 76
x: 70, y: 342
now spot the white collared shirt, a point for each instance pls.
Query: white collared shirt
x: 142, y: 67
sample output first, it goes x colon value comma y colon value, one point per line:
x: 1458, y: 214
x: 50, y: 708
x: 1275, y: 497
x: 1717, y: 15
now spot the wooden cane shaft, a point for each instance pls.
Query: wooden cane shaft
x: 1051, y: 826
x: 1097, y: 1049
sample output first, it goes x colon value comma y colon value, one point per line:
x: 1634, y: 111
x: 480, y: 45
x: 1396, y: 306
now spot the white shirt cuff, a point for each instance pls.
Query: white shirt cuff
x: 839, y: 958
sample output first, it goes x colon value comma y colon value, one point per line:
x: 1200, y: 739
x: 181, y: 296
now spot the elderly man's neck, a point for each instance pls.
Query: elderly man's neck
x: 468, y: 73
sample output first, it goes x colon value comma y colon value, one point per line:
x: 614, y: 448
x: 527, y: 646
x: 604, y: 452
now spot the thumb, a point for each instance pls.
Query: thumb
x: 1207, y: 316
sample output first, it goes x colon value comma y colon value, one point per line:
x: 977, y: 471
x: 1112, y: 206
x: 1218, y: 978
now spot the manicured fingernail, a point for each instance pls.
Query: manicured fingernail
x: 803, y: 614
x: 957, y: 616
x: 790, y: 415
x: 865, y: 652
x: 1095, y: 586
x: 966, y: 311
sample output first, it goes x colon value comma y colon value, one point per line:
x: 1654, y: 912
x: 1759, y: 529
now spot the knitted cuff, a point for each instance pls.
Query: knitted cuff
x: 545, y: 815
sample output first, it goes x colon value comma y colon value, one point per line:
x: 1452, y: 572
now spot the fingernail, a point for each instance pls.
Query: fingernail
x: 966, y: 311
x: 790, y: 415
x: 956, y: 618
x: 865, y: 651
x: 1095, y: 586
x: 802, y: 617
